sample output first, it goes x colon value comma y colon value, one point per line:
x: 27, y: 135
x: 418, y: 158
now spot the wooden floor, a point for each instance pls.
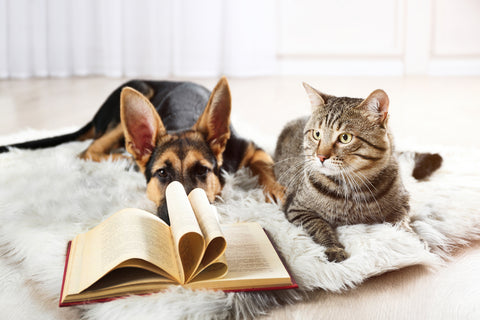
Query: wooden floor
x: 426, y: 110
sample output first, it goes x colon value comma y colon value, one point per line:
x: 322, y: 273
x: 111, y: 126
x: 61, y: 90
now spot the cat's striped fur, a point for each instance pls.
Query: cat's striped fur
x: 339, y: 168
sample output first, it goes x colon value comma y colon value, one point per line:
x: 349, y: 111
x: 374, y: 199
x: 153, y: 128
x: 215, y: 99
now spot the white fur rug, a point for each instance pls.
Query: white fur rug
x: 49, y: 196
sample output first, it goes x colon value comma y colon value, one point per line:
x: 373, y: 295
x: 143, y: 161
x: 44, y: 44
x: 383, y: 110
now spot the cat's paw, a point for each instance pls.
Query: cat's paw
x: 336, y: 254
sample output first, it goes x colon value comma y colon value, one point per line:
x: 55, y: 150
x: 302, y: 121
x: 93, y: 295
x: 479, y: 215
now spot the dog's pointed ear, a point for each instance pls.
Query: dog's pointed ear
x: 141, y: 124
x: 214, y: 123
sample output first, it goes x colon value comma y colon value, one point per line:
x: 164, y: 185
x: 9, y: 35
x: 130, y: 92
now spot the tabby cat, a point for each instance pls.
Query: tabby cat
x: 339, y: 168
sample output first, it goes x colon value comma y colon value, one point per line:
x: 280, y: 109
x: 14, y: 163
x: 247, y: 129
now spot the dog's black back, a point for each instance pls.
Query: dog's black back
x: 179, y: 105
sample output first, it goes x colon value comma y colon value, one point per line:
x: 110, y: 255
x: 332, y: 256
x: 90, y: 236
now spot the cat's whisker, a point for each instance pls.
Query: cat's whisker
x: 298, y: 169
x: 288, y: 159
x: 354, y: 190
x: 348, y: 187
x: 297, y: 164
x: 364, y: 180
x: 294, y: 179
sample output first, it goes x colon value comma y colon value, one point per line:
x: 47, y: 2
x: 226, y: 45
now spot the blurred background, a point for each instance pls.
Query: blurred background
x: 59, y: 59
x: 188, y: 38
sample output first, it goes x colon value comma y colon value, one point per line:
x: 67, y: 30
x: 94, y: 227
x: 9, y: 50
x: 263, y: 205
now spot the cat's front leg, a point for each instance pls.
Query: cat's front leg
x: 320, y: 231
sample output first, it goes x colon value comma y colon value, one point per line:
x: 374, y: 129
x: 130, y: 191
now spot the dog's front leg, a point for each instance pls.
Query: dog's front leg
x: 261, y: 164
x: 102, y: 148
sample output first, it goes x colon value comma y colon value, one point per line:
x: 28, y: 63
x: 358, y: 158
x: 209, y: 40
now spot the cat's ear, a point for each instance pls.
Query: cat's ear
x: 141, y: 124
x: 317, y: 98
x: 377, y: 104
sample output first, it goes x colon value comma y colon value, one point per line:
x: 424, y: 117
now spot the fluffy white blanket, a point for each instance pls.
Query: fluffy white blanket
x: 49, y: 196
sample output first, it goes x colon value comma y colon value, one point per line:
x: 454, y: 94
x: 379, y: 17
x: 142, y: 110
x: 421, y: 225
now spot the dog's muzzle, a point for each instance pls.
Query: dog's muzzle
x: 162, y: 213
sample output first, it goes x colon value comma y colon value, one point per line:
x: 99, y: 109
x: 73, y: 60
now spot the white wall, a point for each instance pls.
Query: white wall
x: 188, y: 38
x: 137, y: 38
x: 379, y: 37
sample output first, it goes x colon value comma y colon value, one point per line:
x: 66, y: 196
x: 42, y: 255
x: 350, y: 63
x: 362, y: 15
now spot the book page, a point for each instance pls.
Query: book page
x: 246, y: 253
x: 213, y: 270
x: 252, y: 261
x: 214, y: 239
x: 126, y: 235
x: 187, y: 235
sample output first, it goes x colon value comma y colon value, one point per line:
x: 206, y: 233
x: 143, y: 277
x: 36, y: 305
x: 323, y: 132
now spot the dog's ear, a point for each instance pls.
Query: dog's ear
x: 141, y: 124
x: 214, y: 123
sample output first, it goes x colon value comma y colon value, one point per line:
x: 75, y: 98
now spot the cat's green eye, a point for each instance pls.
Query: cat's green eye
x: 316, y: 134
x: 345, y: 138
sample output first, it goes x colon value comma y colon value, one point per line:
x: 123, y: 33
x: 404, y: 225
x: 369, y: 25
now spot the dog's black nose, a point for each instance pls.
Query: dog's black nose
x: 162, y: 213
x: 189, y: 187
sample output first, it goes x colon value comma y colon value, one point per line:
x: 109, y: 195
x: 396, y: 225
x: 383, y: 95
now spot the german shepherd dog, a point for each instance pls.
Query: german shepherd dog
x: 174, y: 131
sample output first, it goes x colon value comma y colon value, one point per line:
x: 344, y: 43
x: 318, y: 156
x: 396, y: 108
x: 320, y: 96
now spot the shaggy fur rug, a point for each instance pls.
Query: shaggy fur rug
x: 49, y: 196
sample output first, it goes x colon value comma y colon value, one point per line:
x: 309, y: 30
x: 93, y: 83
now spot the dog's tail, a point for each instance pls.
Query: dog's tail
x: 84, y: 133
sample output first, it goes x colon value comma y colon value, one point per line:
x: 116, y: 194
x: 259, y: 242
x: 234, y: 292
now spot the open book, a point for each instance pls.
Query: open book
x: 135, y: 252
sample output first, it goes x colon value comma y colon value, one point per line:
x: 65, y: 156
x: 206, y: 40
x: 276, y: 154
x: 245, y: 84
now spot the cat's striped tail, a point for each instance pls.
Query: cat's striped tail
x: 426, y: 164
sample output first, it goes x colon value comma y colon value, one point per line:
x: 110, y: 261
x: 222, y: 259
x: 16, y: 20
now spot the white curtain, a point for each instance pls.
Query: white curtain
x: 153, y: 38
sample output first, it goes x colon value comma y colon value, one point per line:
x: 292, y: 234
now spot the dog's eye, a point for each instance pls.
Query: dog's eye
x: 201, y: 171
x: 162, y: 173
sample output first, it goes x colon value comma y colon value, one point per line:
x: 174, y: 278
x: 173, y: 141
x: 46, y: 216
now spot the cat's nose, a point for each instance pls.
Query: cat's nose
x: 322, y: 158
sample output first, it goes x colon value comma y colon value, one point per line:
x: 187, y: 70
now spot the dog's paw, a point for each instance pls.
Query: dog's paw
x: 83, y: 155
x: 274, y: 192
x: 336, y: 254
x: 98, y: 157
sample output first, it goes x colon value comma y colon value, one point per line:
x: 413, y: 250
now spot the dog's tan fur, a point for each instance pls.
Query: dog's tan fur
x: 212, y: 186
x: 143, y: 132
x: 103, y: 147
x: 261, y: 164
